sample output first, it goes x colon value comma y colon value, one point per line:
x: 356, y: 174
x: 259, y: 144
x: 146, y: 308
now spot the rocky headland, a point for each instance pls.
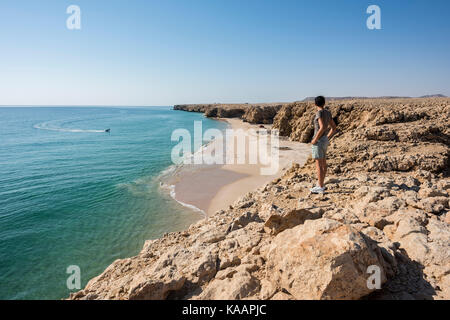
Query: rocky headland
x: 386, y: 205
x: 263, y: 113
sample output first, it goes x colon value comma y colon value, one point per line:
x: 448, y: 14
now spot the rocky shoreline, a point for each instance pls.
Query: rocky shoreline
x: 386, y: 205
x: 263, y: 113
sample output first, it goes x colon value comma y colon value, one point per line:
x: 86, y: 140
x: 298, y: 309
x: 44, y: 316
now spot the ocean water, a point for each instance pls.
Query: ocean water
x: 72, y: 194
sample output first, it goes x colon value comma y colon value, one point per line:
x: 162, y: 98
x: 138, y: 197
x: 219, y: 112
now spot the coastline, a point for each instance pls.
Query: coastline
x: 386, y: 205
x: 210, y: 188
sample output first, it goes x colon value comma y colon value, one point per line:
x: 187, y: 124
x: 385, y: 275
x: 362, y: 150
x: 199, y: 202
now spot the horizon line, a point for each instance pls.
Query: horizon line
x: 218, y: 103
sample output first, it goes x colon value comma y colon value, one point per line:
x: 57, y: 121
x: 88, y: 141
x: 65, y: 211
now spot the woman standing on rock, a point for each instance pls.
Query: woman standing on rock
x: 324, y: 129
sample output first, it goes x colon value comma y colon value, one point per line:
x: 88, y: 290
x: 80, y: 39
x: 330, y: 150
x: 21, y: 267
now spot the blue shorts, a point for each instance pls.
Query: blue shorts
x: 319, y: 150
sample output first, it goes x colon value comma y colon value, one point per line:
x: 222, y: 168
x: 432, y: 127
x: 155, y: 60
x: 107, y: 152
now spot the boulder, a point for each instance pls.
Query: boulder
x: 269, y: 209
x: 156, y: 289
x: 279, y: 222
x: 376, y: 213
x: 431, y: 192
x: 239, y: 286
x: 434, y: 204
x: 244, y: 220
x: 282, y: 296
x: 322, y: 259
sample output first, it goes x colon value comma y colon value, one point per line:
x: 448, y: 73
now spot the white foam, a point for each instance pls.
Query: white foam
x: 47, y: 126
x: 136, y: 189
x: 172, y: 193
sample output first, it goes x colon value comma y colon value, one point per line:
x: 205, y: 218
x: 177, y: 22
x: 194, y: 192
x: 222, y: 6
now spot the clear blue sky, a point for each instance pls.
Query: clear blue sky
x: 164, y: 52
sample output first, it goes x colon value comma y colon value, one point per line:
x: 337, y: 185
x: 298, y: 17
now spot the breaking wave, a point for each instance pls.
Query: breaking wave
x: 171, y: 189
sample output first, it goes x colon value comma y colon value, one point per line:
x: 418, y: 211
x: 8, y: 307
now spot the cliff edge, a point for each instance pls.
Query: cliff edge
x: 386, y: 209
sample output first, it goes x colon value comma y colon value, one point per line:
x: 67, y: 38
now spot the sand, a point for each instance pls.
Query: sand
x: 214, y: 187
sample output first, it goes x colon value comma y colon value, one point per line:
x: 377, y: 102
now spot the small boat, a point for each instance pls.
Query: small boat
x: 108, y: 130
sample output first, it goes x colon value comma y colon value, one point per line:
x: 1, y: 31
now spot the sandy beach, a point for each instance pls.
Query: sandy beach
x: 386, y: 205
x: 214, y: 187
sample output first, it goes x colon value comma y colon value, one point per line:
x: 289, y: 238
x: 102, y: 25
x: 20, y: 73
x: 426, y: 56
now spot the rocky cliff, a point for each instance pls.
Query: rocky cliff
x: 379, y: 135
x: 386, y: 205
x: 253, y: 113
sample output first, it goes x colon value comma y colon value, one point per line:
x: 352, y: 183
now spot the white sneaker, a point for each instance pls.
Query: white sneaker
x: 317, y: 190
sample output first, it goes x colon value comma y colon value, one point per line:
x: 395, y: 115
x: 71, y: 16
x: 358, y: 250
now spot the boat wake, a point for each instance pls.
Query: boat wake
x: 52, y: 127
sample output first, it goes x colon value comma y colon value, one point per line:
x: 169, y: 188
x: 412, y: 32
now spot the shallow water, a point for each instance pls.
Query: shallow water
x: 71, y: 194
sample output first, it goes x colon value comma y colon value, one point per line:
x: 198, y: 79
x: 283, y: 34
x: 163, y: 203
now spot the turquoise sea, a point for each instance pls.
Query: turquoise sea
x: 72, y: 194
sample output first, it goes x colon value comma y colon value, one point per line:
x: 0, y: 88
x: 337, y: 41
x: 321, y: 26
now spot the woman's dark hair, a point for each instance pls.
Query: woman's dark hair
x: 320, y: 101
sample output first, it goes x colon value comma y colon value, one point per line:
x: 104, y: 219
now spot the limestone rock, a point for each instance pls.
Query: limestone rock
x: 240, y: 286
x: 244, y: 220
x: 387, y: 204
x: 434, y: 204
x: 269, y: 209
x: 280, y: 222
x: 431, y: 192
x: 322, y: 259
x: 156, y: 289
x: 282, y: 296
